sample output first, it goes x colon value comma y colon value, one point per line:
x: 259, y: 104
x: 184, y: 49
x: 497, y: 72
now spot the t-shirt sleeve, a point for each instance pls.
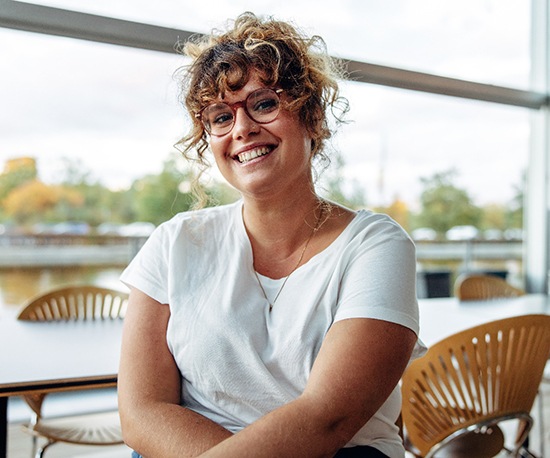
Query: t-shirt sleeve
x: 380, y: 281
x: 148, y: 271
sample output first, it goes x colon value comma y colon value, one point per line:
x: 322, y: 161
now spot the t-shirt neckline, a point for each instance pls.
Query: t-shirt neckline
x: 311, y: 262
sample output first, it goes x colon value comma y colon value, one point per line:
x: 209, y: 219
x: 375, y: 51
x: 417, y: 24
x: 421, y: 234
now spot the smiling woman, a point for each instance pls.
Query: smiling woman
x: 259, y: 329
x: 112, y: 108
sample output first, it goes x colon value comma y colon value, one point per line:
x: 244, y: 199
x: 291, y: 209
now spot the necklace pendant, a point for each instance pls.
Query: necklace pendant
x: 270, y: 307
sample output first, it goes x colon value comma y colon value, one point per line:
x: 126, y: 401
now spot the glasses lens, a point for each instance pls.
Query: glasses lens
x: 217, y: 118
x: 263, y: 105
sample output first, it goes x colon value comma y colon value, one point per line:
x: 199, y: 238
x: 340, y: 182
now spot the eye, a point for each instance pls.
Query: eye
x: 222, y: 118
x: 266, y: 105
x: 263, y: 102
x: 218, y: 115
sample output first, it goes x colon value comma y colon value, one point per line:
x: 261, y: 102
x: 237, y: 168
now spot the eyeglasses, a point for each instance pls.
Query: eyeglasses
x: 261, y: 105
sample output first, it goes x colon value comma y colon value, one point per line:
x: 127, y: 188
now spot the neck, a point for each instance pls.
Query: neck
x: 283, y: 222
x: 279, y: 233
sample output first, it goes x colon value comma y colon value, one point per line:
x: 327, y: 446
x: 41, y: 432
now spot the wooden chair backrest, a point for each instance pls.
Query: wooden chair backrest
x: 83, y: 302
x: 484, y: 287
x: 472, y: 377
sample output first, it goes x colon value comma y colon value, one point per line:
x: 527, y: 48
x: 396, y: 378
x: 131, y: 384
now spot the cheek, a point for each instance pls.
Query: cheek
x: 292, y: 129
x: 217, y: 148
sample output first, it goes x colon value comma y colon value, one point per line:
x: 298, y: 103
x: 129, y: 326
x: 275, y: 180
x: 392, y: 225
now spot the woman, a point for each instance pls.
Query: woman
x: 277, y: 326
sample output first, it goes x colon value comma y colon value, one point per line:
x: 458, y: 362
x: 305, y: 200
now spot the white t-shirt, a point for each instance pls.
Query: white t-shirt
x: 238, y: 360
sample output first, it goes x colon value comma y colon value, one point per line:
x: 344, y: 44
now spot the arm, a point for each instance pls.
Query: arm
x: 153, y: 422
x: 358, y: 366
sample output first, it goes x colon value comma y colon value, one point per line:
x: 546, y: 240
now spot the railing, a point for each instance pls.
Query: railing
x: 16, y: 250
x: 440, y: 263
x: 66, y: 240
x: 470, y: 250
x: 65, y: 250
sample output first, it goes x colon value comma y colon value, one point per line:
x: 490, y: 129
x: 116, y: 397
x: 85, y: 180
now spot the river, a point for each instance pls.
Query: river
x: 18, y: 285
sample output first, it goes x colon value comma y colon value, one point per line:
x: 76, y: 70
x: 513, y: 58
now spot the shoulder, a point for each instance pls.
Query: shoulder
x: 378, y: 226
x: 206, y: 219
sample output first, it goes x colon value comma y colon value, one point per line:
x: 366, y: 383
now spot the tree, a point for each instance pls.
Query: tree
x: 35, y: 201
x: 158, y: 197
x: 444, y: 205
x: 100, y: 204
x: 16, y: 173
x: 399, y: 211
x: 494, y: 217
x: 514, y: 216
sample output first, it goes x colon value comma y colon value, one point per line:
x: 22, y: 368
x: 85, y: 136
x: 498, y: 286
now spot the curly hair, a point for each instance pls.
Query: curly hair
x: 282, y: 56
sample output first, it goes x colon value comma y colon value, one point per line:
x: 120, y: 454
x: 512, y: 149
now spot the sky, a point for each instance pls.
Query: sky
x: 115, y: 110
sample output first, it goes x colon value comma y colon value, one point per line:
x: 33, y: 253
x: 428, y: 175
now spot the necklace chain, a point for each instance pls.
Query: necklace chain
x: 315, y: 229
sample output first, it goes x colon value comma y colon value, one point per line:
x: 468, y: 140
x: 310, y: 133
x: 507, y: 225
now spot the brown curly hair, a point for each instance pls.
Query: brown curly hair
x: 283, y: 57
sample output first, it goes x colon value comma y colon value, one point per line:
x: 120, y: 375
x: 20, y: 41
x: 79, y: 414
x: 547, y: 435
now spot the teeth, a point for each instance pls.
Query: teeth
x: 253, y: 154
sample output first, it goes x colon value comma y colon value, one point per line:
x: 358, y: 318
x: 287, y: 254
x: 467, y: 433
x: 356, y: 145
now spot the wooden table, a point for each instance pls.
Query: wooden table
x: 55, y: 356
x: 441, y: 317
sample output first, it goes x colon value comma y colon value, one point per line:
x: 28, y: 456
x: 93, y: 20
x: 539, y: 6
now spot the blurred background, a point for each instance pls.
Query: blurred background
x: 446, y: 131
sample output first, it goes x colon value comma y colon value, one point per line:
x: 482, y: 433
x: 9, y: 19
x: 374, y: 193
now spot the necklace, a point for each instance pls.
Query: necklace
x: 315, y: 229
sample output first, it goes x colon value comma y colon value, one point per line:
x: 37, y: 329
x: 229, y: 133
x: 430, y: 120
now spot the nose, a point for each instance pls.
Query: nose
x: 244, y: 124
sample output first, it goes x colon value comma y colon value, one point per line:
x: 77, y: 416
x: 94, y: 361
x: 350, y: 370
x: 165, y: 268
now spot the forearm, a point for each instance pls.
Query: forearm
x: 300, y: 428
x: 167, y: 430
x: 149, y: 389
x: 342, y: 394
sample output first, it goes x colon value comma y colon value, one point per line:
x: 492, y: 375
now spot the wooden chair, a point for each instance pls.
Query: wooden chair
x: 74, y: 303
x: 469, y: 287
x: 487, y: 287
x: 83, y: 302
x: 455, y: 396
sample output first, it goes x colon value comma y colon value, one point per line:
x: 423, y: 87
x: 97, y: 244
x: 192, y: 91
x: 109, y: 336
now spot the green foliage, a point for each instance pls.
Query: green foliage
x: 514, y: 214
x: 16, y: 173
x: 444, y: 205
x: 99, y: 204
x: 156, y: 198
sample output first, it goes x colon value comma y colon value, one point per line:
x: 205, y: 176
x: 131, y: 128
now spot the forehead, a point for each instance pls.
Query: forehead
x: 254, y: 82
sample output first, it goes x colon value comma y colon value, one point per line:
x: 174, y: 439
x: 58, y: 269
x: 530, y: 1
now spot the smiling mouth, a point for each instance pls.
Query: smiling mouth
x: 247, y: 156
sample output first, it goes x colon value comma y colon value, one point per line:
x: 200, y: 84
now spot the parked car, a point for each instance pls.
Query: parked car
x: 466, y: 232
x: 43, y: 228
x: 109, y: 228
x: 424, y: 233
x: 493, y: 234
x: 513, y: 234
x: 71, y: 228
x: 137, y: 229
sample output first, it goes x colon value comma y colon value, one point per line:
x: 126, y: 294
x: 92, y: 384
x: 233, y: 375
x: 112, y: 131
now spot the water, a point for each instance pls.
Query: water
x: 18, y: 285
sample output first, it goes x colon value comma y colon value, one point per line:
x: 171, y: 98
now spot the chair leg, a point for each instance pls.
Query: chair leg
x: 40, y: 452
x: 525, y: 453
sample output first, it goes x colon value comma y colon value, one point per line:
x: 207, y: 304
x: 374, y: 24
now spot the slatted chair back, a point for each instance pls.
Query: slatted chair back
x: 473, y: 380
x: 484, y: 287
x: 82, y: 302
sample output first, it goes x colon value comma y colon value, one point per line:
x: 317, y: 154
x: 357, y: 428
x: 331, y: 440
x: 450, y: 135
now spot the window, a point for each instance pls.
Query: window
x: 115, y: 109
x: 486, y: 41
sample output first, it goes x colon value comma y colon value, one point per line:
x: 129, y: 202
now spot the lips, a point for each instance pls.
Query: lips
x: 247, y: 156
